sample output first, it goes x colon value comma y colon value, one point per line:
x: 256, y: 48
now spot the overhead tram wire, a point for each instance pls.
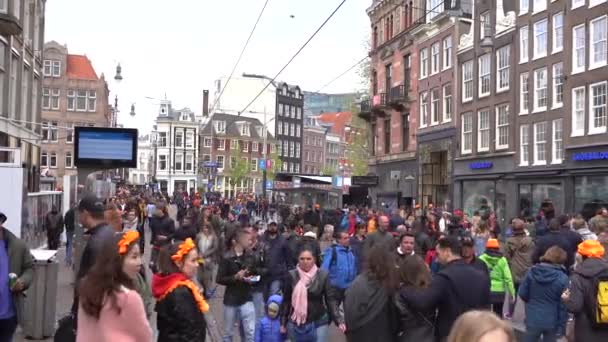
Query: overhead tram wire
x: 240, y: 57
x: 341, y: 75
x: 292, y: 58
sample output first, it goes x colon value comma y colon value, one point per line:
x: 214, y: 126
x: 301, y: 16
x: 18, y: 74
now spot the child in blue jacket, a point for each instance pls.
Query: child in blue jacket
x: 268, y: 328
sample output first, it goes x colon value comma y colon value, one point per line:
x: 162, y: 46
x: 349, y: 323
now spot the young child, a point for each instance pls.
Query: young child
x: 268, y: 328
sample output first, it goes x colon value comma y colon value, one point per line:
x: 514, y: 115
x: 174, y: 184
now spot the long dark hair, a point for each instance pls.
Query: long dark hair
x: 105, y: 278
x: 380, y: 265
x: 165, y: 262
x: 414, y: 272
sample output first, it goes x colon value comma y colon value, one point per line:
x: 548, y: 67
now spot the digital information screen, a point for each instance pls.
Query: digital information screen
x: 105, y: 145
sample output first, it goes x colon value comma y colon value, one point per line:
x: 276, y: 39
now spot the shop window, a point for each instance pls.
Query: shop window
x: 532, y: 198
x: 590, y: 194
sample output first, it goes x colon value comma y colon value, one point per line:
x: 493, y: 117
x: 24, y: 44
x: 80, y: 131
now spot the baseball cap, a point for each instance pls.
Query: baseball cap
x: 91, y: 204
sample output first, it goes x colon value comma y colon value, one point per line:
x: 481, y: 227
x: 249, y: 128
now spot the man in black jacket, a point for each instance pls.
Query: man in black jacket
x: 97, y: 232
x: 163, y: 228
x: 68, y: 221
x: 278, y: 256
x: 457, y: 288
x: 556, y: 237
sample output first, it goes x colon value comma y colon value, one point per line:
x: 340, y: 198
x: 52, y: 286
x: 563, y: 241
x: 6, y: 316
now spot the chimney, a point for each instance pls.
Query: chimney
x: 205, y: 103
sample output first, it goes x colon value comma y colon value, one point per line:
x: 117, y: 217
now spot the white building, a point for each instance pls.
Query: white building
x: 239, y: 92
x: 145, y: 162
x: 177, y: 158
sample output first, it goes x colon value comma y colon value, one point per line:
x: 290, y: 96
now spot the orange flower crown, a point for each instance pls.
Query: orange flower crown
x: 127, y: 239
x: 184, y: 248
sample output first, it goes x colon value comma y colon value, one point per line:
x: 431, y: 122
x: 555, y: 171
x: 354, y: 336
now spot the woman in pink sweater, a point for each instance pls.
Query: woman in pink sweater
x: 110, y: 309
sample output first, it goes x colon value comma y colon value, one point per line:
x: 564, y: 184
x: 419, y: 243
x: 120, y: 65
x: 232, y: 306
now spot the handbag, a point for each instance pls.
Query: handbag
x: 66, y: 329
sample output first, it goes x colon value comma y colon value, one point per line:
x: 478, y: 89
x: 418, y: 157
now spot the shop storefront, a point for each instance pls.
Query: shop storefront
x: 588, y: 168
x: 396, y: 184
x: 435, y: 163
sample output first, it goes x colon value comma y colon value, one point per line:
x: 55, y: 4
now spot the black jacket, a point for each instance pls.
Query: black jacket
x: 279, y: 258
x: 312, y: 218
x: 238, y: 292
x: 179, y: 318
x: 68, y: 220
x: 321, y: 298
x: 96, y: 239
x: 457, y: 288
x: 185, y: 232
x: 161, y: 225
x: 414, y: 326
x: 555, y: 238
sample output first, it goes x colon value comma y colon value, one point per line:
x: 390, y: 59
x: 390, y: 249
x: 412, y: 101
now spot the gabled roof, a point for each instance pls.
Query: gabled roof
x: 232, y: 127
x: 80, y: 67
x: 337, y: 121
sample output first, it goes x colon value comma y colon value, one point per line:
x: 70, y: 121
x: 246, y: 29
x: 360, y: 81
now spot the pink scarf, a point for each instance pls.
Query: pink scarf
x: 299, y: 297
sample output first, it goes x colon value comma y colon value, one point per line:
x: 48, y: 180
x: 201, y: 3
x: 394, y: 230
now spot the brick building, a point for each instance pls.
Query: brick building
x: 72, y: 95
x: 313, y: 156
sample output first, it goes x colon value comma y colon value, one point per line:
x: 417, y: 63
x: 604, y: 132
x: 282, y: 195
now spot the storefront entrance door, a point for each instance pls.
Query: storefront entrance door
x: 433, y: 178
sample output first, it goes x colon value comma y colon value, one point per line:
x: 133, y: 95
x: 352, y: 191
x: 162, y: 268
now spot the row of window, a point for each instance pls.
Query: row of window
x: 50, y: 159
x: 313, y: 140
x: 220, y: 159
x: 308, y: 169
x: 234, y: 143
x: 289, y: 149
x: 540, y: 38
x: 77, y: 100
x: 180, y: 163
x: 540, y: 99
x: 484, y: 71
x: 439, y: 107
x: 178, y: 140
x: 390, y: 25
x: 541, y: 139
x: 313, y: 156
x: 405, y: 134
x: 597, y: 109
x: 50, y: 131
x: 483, y: 130
x: 290, y: 111
x: 291, y: 130
x: 440, y: 58
x: 52, y: 68
x: 541, y: 5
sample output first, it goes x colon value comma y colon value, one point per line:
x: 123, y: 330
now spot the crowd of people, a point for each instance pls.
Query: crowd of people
x: 290, y: 272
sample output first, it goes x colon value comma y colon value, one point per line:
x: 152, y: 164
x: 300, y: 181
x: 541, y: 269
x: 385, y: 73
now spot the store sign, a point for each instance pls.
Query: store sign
x: 481, y: 165
x: 583, y: 156
x: 365, y: 180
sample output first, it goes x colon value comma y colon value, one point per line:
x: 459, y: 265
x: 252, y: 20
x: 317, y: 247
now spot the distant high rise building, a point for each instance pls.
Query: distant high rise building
x: 318, y: 103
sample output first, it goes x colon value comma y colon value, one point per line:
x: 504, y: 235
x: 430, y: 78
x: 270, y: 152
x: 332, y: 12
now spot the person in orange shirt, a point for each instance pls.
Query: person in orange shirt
x: 372, y: 222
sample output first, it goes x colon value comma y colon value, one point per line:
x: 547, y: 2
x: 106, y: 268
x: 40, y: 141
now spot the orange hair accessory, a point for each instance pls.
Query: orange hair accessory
x: 127, y: 239
x: 184, y: 248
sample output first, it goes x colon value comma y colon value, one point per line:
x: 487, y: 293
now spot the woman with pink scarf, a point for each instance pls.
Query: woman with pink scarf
x: 309, y: 303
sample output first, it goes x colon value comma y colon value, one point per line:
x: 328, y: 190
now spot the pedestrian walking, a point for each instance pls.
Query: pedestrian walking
x: 518, y: 251
x: 180, y: 307
x: 53, y: 225
x: 110, y: 308
x: 554, y: 237
x: 237, y: 273
x: 468, y: 254
x: 16, y: 275
x: 162, y: 228
x: 70, y: 225
x: 380, y: 237
x: 279, y: 258
x: 258, y: 289
x: 356, y: 244
x: 500, y: 276
x: 414, y: 326
x: 341, y: 265
x: 541, y: 290
x: 309, y: 302
x: 406, y: 245
x: 481, y: 326
x: 455, y: 289
x: 208, y: 250
x: 587, y: 294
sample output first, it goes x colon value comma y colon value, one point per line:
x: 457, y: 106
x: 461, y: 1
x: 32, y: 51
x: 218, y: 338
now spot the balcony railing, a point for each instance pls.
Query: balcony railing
x: 397, y: 94
x: 365, y: 111
x: 379, y: 100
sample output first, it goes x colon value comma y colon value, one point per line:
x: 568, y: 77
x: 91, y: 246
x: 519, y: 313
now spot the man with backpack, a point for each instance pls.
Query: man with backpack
x: 341, y: 264
x: 587, y: 295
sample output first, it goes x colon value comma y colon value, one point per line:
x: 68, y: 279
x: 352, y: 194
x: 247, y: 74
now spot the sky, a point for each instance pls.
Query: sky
x: 181, y: 48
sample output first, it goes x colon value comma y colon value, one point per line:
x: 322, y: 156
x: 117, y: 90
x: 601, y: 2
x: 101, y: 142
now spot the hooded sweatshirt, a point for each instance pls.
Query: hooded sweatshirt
x: 500, y: 274
x: 269, y: 329
x: 541, y: 289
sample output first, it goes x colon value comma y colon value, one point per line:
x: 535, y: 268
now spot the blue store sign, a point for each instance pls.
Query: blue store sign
x: 583, y: 156
x: 481, y: 165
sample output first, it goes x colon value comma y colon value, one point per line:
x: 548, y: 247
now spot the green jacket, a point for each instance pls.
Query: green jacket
x: 21, y: 263
x: 500, y: 274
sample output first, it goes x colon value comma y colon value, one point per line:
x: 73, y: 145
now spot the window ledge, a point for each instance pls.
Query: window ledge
x: 539, y: 56
x: 481, y: 96
x: 484, y: 150
x: 556, y: 162
x: 500, y: 148
x: 539, y: 110
x: 597, y: 66
x: 577, y: 134
x: 540, y: 163
x: 467, y: 100
x: 523, y: 113
x: 557, y: 106
x: 577, y: 71
x: 591, y: 5
x: 501, y: 90
x: 466, y: 152
x: 524, y: 164
x: 597, y: 131
x: 523, y: 61
x: 558, y: 50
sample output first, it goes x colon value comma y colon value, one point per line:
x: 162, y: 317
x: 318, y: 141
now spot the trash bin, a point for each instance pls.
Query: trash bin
x: 40, y: 301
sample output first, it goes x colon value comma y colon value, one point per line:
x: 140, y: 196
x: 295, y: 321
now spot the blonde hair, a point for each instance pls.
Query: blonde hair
x: 472, y: 325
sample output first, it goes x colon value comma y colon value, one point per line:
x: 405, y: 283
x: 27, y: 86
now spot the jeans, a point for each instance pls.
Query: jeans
x: 321, y: 333
x: 259, y: 304
x: 533, y: 335
x: 7, y: 329
x: 246, y: 314
x: 274, y: 287
x: 69, y: 246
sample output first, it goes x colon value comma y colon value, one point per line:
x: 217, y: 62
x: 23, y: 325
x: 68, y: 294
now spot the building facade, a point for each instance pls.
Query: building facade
x: 72, y: 95
x: 334, y: 153
x: 144, y: 172
x: 486, y: 80
x: 289, y: 123
x: 177, y: 153
x: 224, y: 139
x: 21, y: 72
x: 313, y: 152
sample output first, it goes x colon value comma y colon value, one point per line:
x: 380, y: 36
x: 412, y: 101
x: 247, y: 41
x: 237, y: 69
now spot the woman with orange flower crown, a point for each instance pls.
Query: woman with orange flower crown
x: 179, y: 303
x: 111, y: 309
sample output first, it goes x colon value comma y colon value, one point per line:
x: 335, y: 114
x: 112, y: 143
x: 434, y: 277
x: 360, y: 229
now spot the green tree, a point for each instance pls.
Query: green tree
x: 240, y: 169
x: 328, y: 171
x: 357, y: 151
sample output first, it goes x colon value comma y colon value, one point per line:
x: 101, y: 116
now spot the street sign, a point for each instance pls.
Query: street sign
x: 262, y: 164
x: 268, y: 184
x: 210, y: 164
